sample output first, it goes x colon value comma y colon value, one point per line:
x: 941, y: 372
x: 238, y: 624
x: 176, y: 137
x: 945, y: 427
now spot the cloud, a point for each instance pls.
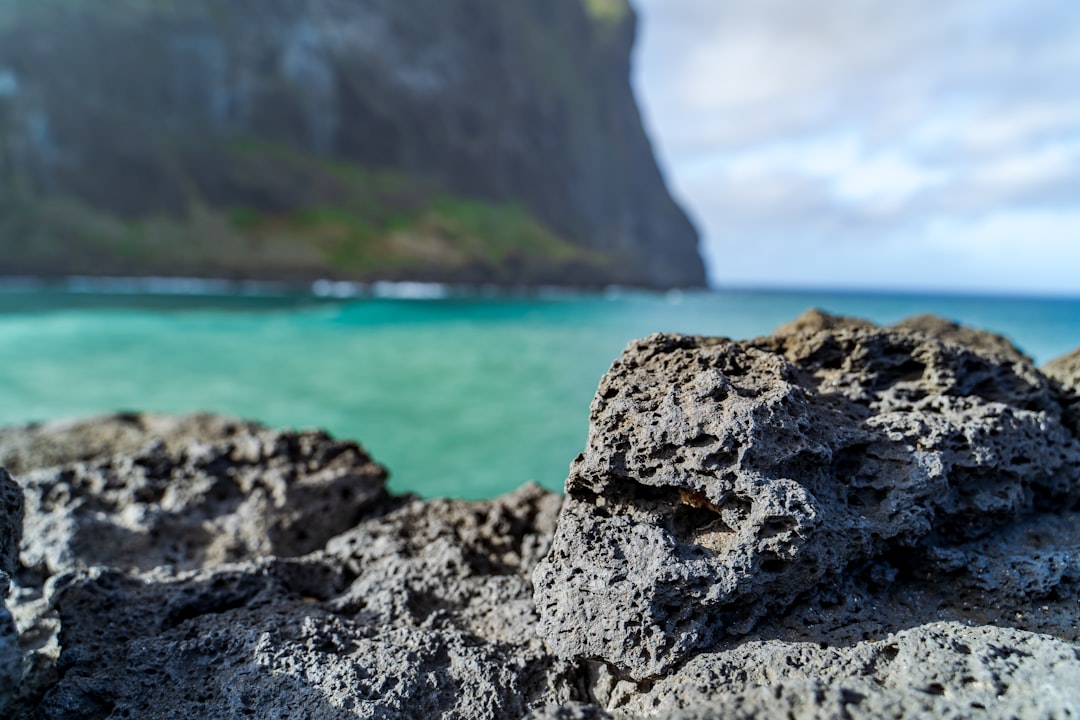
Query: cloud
x: 865, y: 126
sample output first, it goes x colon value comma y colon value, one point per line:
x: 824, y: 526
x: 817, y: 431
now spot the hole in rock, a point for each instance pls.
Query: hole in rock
x: 848, y: 461
x: 776, y: 525
x: 866, y: 497
x: 773, y: 566
x: 910, y: 370
x: 690, y: 515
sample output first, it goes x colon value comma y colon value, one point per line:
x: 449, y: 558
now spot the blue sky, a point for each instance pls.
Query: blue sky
x: 923, y: 145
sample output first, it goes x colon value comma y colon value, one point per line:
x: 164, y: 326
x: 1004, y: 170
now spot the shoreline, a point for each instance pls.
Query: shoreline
x: 330, y: 288
x: 896, y: 535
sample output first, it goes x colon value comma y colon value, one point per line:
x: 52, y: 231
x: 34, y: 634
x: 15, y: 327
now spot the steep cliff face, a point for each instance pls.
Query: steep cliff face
x: 450, y: 139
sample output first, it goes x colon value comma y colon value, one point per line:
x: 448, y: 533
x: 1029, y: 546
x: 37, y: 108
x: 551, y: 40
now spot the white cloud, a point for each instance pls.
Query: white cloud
x: 861, y: 128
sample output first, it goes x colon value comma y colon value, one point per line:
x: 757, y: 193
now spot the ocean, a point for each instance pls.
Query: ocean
x: 459, y: 394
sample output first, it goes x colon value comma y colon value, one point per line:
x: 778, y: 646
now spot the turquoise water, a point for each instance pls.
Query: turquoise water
x: 457, y: 396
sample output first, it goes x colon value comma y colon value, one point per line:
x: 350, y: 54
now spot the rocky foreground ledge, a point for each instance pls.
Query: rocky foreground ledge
x: 838, y: 520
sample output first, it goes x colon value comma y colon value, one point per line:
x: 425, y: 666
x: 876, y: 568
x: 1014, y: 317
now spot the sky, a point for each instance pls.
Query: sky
x: 928, y: 145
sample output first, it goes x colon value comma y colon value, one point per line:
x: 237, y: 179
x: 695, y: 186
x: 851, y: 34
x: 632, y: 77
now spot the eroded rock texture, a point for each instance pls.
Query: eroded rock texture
x: 425, y: 612
x: 60, y: 442
x: 1065, y: 371
x: 725, y: 480
x: 11, y: 503
x: 931, y: 671
x: 204, y: 567
x: 11, y: 509
x: 836, y: 521
x: 246, y: 493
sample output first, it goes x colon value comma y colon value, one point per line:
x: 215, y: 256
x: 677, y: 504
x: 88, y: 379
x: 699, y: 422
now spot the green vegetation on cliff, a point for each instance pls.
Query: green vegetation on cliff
x: 608, y: 11
x: 437, y: 139
x: 383, y: 225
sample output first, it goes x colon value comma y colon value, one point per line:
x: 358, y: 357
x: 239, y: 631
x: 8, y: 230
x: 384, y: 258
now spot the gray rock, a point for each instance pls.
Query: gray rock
x: 893, y: 512
x: 10, y: 652
x: 202, y: 494
x: 425, y: 612
x: 939, y: 670
x: 11, y: 502
x: 196, y: 567
x: 723, y: 481
x: 815, y: 320
x: 1065, y: 371
x: 11, y: 523
x: 60, y: 442
x: 983, y: 341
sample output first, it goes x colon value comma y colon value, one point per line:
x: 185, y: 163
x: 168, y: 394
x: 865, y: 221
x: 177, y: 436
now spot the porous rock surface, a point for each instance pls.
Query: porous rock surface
x: 214, y: 568
x: 11, y: 502
x: 206, y: 567
x: 11, y: 508
x: 725, y: 480
x: 415, y: 614
x: 61, y: 442
x: 1065, y: 371
x: 247, y: 493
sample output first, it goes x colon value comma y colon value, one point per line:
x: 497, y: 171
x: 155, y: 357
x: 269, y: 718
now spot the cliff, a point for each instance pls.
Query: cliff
x: 437, y: 139
x: 839, y: 520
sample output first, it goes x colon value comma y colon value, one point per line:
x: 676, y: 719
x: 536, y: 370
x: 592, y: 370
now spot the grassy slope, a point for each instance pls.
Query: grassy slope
x: 371, y: 225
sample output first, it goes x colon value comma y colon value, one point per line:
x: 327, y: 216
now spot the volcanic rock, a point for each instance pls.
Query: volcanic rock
x: 425, y: 612
x: 249, y: 493
x: 11, y: 502
x: 837, y: 521
x: 60, y: 442
x: 725, y: 480
x: 1065, y: 371
x: 931, y: 671
x: 201, y: 566
x: 11, y: 513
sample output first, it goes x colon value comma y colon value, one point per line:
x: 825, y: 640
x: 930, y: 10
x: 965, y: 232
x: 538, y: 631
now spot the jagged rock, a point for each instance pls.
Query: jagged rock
x: 11, y: 520
x: 59, y: 442
x: 932, y: 671
x: 425, y: 612
x: 893, y: 511
x: 139, y: 492
x: 724, y: 480
x: 983, y: 341
x: 206, y: 493
x: 1065, y: 371
x: 815, y: 320
x: 11, y: 508
x: 199, y: 566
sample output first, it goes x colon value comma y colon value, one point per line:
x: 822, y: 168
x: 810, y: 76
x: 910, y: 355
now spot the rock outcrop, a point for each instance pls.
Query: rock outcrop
x: 839, y: 520
x: 724, y: 480
x: 437, y: 139
x: 204, y: 566
x: 11, y: 508
x: 1065, y: 371
x: 245, y: 495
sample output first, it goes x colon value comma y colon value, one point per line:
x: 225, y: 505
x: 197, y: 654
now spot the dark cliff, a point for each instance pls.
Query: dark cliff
x: 434, y: 139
